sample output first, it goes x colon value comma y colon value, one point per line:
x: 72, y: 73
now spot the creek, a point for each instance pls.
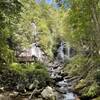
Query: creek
x: 62, y: 82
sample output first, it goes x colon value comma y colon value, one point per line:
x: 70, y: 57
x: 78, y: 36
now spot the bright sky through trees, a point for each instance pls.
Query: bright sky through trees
x: 49, y: 1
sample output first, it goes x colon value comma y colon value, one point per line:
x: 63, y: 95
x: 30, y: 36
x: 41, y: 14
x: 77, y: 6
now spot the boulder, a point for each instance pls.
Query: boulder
x: 48, y: 93
x: 3, y: 97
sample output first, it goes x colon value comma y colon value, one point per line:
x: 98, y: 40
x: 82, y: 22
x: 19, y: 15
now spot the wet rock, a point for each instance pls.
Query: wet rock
x: 48, y: 93
x: 62, y: 83
x: 57, y: 78
x: 62, y: 90
x: 63, y: 74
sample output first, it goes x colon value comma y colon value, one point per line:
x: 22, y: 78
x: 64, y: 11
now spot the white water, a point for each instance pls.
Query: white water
x: 68, y: 50
x: 34, y: 29
x: 37, y: 52
x: 61, y: 54
x: 64, y: 87
x: 69, y: 96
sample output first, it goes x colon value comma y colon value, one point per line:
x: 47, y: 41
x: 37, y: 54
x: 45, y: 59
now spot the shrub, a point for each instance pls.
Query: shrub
x: 76, y: 65
x: 25, y: 74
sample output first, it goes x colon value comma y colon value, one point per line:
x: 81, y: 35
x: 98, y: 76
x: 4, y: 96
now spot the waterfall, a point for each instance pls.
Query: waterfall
x: 68, y: 50
x: 34, y: 29
x: 63, y: 51
x: 36, y: 51
x: 60, y: 51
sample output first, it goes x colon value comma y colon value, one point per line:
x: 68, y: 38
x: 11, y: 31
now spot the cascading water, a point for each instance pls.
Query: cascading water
x: 70, y: 96
x: 63, y: 52
x: 66, y: 94
x: 62, y: 85
x: 37, y: 52
x: 60, y: 51
x: 68, y: 50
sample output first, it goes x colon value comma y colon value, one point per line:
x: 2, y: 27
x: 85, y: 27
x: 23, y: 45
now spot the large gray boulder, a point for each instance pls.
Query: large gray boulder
x: 48, y: 93
x: 3, y: 97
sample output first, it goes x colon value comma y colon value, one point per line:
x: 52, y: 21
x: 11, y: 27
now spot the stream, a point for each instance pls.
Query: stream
x: 62, y: 83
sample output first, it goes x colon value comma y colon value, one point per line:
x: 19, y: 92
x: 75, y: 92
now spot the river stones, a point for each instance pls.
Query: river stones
x: 48, y: 93
x: 3, y: 97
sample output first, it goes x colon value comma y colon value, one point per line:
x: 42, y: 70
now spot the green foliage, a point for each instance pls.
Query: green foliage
x: 97, y: 76
x: 49, y: 23
x: 79, y: 24
x: 9, y: 13
x: 27, y: 68
x: 31, y: 72
x: 82, y: 23
x: 77, y: 65
x: 81, y: 84
x: 21, y: 68
x: 83, y: 31
x: 92, y: 90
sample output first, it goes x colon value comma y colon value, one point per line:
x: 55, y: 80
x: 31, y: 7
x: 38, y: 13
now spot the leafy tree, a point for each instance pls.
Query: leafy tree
x: 48, y: 21
x: 9, y: 12
x: 84, y: 27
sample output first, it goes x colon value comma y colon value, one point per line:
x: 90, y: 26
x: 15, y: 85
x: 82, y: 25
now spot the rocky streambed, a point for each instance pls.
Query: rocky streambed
x: 63, y: 83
